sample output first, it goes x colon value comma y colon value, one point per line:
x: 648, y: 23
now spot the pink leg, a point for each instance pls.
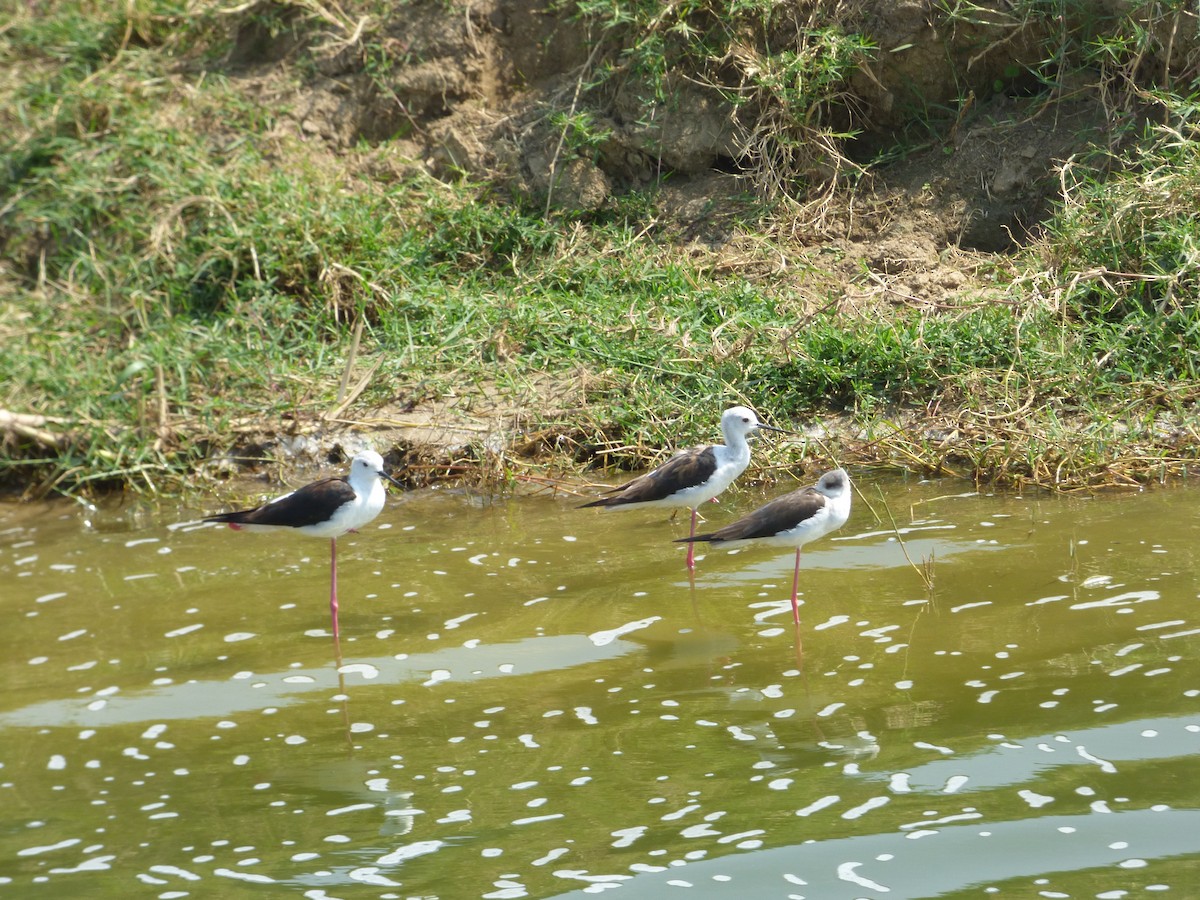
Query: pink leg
x: 796, y: 589
x: 691, y: 562
x: 333, y: 603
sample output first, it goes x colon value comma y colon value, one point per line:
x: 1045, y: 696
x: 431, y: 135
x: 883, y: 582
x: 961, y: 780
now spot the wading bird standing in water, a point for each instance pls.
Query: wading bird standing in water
x: 325, y: 509
x: 792, y: 520
x: 692, y: 476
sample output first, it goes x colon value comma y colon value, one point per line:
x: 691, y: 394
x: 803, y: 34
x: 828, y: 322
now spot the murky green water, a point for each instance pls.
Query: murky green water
x: 535, y: 702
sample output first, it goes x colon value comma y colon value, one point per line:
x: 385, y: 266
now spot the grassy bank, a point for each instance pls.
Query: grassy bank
x: 182, y: 275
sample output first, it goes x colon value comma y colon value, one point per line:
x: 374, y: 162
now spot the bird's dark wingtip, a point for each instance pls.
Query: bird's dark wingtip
x: 601, y: 502
x: 229, y: 518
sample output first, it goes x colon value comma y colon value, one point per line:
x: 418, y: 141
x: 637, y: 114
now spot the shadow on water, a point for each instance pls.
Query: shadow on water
x: 530, y: 700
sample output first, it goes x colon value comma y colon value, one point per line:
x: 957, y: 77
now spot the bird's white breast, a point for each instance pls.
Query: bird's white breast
x: 827, y: 519
x: 730, y: 465
x: 352, y: 515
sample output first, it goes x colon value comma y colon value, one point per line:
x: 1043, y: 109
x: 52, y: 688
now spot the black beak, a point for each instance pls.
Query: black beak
x: 780, y: 430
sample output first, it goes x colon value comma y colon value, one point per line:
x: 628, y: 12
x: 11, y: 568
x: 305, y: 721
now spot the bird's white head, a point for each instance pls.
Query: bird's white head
x: 366, y: 468
x: 739, y: 420
x: 834, y: 484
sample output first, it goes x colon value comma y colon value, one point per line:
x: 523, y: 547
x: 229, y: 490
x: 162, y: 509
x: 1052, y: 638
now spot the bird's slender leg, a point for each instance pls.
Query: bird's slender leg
x: 691, y: 560
x: 796, y: 589
x: 333, y: 601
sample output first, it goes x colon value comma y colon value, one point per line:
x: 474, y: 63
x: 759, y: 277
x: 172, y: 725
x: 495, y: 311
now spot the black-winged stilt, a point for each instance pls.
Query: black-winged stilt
x: 692, y: 476
x: 792, y: 520
x: 327, y: 509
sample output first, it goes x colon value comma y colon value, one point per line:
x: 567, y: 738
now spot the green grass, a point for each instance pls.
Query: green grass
x: 164, y: 248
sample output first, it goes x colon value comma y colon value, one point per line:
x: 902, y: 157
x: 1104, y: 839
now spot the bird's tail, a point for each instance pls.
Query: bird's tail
x: 230, y: 518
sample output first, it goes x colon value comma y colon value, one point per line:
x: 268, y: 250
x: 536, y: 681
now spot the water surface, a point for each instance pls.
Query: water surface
x: 536, y: 701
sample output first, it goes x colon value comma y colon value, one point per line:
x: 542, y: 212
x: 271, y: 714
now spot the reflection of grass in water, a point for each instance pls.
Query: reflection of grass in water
x: 926, y: 569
